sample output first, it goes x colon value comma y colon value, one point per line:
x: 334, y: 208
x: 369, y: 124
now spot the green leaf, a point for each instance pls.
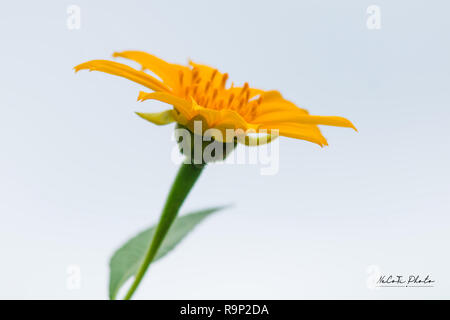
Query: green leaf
x: 126, y: 260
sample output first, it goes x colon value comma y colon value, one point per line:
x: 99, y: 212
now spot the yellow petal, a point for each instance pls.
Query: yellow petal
x: 273, y: 101
x: 158, y: 118
x: 233, y: 118
x: 122, y: 70
x: 212, y: 117
x: 182, y: 105
x: 275, y: 109
x: 220, y: 119
x: 224, y: 118
x: 168, y: 72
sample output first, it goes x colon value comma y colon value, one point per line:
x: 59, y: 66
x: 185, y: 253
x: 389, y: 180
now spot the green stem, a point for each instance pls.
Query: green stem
x: 184, y: 181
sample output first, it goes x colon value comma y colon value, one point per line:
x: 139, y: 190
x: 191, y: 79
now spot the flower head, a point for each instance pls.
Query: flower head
x: 199, y: 92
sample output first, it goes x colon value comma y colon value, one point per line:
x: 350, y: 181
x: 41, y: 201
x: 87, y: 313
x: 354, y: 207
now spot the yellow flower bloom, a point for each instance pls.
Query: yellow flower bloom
x: 199, y: 92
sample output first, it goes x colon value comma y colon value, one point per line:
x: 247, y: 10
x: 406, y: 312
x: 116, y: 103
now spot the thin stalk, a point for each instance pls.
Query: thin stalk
x: 184, y: 181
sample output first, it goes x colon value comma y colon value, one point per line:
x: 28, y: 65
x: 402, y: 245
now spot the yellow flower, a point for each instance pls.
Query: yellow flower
x: 199, y: 92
